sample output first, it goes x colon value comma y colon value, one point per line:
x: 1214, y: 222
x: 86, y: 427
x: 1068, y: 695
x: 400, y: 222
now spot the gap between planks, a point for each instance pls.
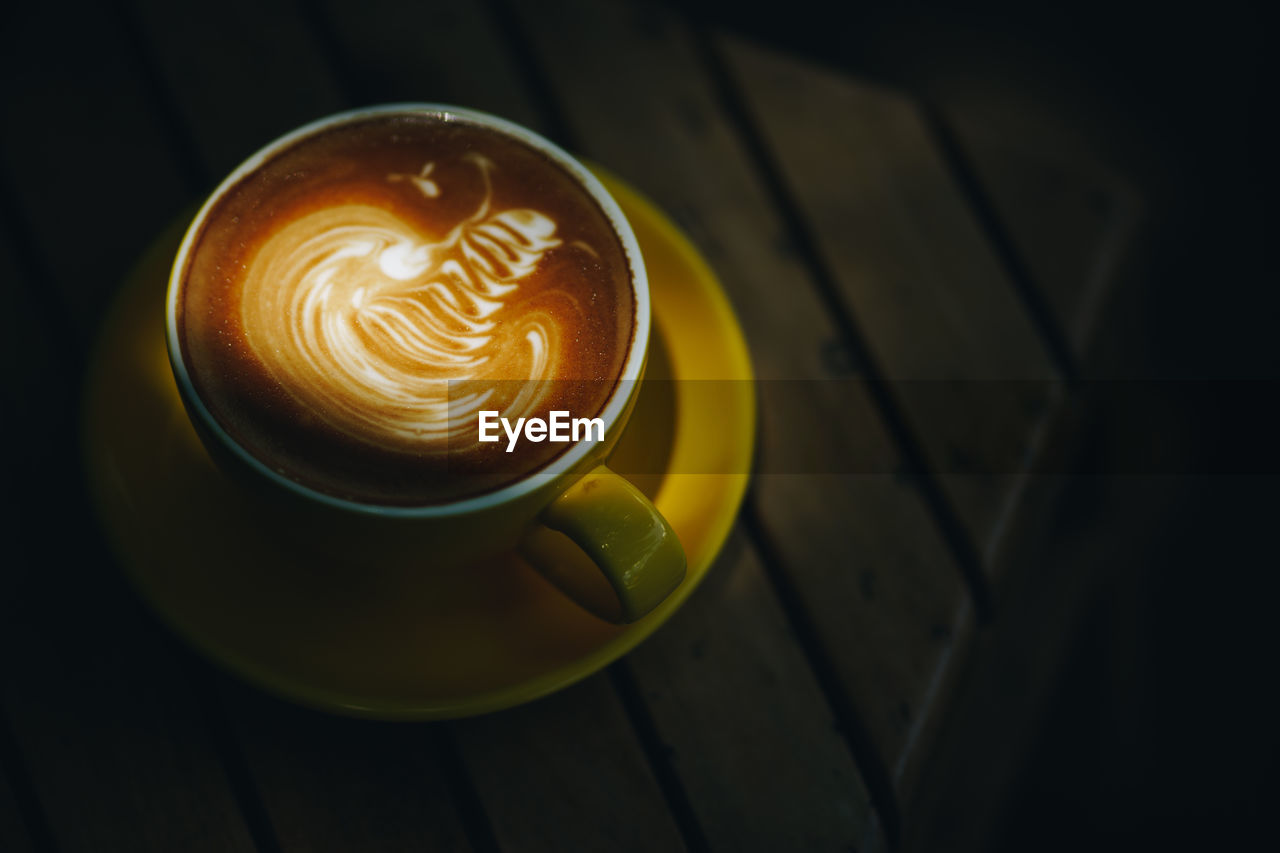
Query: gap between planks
x: 948, y: 522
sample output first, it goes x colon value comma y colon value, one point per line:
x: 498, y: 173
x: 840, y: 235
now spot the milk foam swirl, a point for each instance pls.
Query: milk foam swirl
x: 366, y: 324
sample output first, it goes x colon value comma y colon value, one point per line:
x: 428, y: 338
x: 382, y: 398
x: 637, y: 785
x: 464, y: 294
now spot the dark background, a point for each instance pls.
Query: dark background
x: 1163, y: 730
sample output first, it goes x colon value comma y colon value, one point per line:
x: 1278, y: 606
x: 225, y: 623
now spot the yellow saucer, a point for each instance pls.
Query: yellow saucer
x: 408, y: 645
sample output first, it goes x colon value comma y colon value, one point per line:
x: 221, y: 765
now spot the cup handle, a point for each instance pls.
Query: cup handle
x: 622, y: 532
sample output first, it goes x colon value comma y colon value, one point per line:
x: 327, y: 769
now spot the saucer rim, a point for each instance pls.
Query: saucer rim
x: 710, y: 541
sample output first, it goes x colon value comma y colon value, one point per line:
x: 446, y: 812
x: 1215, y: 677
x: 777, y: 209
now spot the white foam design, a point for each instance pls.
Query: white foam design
x: 377, y: 321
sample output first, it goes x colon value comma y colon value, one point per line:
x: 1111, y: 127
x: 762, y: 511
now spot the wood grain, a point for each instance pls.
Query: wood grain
x: 86, y: 157
x: 113, y: 737
x: 571, y: 756
x: 839, y: 536
x: 944, y: 323
x: 1073, y: 248
x: 744, y: 722
x: 1089, y: 531
x: 334, y: 784
x: 221, y: 66
x: 433, y: 52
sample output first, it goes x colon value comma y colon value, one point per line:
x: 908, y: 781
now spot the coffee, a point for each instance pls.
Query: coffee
x: 351, y: 304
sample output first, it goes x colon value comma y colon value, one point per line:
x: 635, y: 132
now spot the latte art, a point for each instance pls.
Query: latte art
x: 350, y: 303
x: 380, y: 320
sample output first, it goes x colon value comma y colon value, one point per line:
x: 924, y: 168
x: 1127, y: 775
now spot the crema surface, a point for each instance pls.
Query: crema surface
x: 350, y: 306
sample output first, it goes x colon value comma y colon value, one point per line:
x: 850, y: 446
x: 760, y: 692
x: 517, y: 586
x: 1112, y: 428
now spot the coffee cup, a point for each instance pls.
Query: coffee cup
x: 418, y: 328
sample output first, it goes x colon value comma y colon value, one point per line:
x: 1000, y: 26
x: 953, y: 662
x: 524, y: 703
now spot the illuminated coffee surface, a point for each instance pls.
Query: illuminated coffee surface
x: 351, y: 305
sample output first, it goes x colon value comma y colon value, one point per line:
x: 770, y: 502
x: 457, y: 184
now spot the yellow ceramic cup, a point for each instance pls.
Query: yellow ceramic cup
x: 574, y: 499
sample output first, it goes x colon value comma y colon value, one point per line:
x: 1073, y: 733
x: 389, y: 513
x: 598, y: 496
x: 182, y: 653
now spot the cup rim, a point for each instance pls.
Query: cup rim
x: 614, y: 407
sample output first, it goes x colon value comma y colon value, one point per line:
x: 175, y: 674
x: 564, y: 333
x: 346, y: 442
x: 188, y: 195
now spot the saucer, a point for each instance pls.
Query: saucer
x: 412, y: 645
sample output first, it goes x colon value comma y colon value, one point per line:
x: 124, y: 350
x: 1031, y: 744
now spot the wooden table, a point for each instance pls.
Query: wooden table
x: 925, y: 286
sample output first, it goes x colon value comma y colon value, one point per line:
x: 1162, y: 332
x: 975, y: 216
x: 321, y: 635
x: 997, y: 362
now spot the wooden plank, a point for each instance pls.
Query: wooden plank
x: 84, y: 153
x: 113, y: 740
x: 1072, y: 249
x: 944, y: 323
x: 433, y: 52
x: 302, y: 779
x: 330, y: 783
x: 220, y: 65
x: 862, y: 551
x: 1073, y: 246
x: 1090, y: 531
x: 576, y: 747
x: 735, y: 704
x: 900, y: 666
